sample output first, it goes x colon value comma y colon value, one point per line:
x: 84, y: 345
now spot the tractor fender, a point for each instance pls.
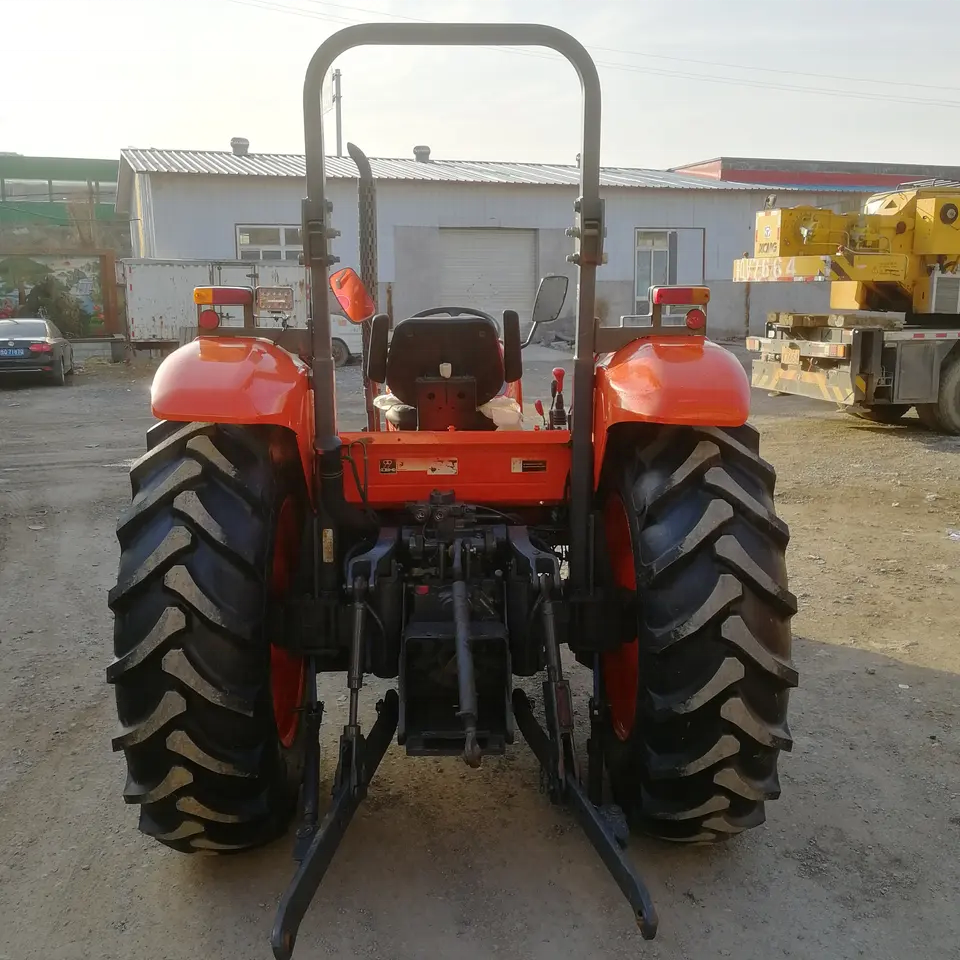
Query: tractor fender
x: 677, y: 380
x: 243, y: 380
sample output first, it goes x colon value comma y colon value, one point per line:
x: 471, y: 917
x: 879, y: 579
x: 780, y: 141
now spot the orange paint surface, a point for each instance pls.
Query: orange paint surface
x: 245, y: 380
x: 236, y: 380
x: 496, y: 467
x: 678, y: 380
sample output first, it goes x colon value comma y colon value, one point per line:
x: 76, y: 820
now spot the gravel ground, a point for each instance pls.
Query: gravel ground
x: 858, y: 859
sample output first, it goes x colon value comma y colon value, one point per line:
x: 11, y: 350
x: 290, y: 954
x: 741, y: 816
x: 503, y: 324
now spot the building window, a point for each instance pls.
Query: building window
x: 655, y: 265
x: 257, y: 242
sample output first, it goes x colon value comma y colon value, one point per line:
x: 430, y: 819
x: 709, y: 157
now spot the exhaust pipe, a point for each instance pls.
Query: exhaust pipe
x: 367, y: 197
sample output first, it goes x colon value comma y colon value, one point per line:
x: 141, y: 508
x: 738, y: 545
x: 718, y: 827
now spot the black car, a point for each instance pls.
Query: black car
x: 29, y: 345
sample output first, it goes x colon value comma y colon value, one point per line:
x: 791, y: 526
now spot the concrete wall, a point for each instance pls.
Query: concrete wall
x: 552, y: 250
x: 103, y: 348
x: 418, y: 267
x: 196, y: 217
x: 417, y: 271
x: 727, y: 313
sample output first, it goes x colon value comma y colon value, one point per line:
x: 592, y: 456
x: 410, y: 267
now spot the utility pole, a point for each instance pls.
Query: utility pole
x: 337, y: 97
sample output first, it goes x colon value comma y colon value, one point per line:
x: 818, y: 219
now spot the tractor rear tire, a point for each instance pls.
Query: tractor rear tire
x: 698, y: 701
x: 208, y: 707
x: 885, y: 413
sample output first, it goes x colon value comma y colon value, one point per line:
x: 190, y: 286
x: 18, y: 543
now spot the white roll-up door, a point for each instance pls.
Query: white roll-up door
x: 493, y: 270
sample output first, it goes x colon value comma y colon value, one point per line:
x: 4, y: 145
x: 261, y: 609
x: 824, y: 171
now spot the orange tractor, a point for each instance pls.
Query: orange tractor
x: 265, y: 547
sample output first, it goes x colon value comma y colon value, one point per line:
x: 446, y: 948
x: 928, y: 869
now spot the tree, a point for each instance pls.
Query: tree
x: 52, y: 299
x: 20, y: 271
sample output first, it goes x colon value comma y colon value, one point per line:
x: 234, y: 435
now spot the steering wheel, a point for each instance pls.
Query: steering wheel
x: 455, y: 312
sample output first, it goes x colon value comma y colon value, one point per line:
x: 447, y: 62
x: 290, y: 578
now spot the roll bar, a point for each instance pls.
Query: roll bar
x: 587, y: 232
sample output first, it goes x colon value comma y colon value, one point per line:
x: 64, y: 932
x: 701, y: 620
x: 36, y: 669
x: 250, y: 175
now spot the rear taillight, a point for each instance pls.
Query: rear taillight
x: 696, y: 319
x: 680, y: 296
x: 223, y: 296
x: 209, y: 320
x: 41, y: 348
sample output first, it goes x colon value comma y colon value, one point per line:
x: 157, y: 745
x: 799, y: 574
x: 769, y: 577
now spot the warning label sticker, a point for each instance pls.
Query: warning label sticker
x: 443, y: 467
x: 519, y: 465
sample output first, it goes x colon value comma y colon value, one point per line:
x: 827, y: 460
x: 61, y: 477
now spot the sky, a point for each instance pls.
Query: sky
x: 682, y: 80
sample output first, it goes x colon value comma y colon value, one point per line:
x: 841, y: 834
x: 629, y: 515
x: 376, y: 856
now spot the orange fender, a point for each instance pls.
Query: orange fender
x: 677, y: 380
x: 241, y: 380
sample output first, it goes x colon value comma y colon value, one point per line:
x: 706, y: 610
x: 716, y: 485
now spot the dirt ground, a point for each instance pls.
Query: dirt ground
x: 858, y: 859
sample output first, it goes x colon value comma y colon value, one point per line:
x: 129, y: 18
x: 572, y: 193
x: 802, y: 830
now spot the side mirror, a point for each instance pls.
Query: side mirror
x: 352, y: 295
x: 551, y: 295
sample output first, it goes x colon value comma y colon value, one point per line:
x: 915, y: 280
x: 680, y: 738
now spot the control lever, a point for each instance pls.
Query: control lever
x: 558, y: 415
x: 538, y: 406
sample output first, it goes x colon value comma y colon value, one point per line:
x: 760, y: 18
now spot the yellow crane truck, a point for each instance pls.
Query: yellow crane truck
x: 891, y: 340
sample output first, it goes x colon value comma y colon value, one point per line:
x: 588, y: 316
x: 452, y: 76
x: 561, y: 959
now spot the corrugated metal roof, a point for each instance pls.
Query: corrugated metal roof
x: 455, y: 171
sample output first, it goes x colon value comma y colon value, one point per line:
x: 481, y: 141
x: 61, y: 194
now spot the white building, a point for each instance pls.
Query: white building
x: 463, y: 232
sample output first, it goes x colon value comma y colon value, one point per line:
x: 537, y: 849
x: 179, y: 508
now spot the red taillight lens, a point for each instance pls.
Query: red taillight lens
x: 224, y: 296
x: 209, y: 320
x: 696, y: 319
x: 41, y: 348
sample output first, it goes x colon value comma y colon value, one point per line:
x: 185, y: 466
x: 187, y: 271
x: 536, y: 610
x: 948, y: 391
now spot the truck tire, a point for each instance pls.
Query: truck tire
x: 928, y: 416
x: 208, y: 706
x: 944, y: 415
x: 697, y: 702
x: 885, y: 413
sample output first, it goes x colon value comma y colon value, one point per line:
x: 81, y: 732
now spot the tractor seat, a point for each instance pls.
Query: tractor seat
x: 411, y: 366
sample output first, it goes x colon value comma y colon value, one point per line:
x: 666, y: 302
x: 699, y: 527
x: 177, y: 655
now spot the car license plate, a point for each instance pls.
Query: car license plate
x: 12, y: 352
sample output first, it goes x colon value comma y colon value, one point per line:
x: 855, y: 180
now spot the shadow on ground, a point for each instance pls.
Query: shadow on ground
x: 441, y: 862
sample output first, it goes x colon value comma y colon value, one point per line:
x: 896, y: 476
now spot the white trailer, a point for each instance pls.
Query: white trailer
x: 161, y: 311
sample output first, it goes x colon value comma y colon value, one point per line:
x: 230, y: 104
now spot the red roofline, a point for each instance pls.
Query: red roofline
x: 836, y: 174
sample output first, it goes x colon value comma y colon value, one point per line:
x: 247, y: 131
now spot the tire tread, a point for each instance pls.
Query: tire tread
x: 191, y: 667
x: 713, y: 632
